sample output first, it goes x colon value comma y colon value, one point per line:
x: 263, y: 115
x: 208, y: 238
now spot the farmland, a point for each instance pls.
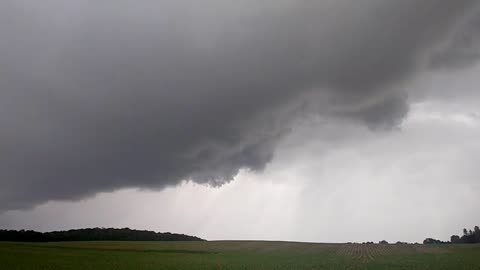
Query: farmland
x: 233, y: 255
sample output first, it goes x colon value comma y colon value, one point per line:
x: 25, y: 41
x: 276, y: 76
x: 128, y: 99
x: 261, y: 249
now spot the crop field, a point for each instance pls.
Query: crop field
x: 234, y: 255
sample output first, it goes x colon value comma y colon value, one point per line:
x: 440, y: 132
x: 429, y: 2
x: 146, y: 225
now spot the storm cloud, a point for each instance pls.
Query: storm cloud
x: 98, y: 96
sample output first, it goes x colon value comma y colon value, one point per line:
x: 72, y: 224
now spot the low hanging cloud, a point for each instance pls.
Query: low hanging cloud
x: 462, y: 49
x: 98, y: 96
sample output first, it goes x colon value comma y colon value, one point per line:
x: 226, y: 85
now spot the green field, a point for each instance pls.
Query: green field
x: 234, y: 255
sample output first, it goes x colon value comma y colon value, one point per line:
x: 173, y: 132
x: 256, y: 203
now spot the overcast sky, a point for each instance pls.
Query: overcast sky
x: 325, y: 121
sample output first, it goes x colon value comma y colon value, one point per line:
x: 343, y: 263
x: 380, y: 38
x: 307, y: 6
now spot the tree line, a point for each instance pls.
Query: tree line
x: 468, y: 237
x: 92, y: 234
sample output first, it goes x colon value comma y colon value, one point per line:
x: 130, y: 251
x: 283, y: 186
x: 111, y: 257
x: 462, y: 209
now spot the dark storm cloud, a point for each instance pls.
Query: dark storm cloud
x: 101, y: 95
x: 462, y: 49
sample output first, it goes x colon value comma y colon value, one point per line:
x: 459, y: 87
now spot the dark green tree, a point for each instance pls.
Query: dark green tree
x: 93, y: 234
x: 455, y: 239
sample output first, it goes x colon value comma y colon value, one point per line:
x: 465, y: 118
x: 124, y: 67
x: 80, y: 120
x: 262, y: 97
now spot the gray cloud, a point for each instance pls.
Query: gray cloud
x: 462, y: 49
x: 97, y: 96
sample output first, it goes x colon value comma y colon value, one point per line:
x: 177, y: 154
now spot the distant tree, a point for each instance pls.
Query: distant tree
x: 470, y: 236
x: 383, y: 242
x: 430, y: 241
x: 455, y: 239
x: 94, y: 234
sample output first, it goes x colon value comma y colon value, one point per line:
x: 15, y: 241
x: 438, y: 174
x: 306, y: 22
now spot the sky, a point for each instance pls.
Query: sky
x: 325, y: 121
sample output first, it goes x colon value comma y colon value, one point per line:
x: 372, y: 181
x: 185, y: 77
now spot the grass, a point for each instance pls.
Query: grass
x: 233, y: 255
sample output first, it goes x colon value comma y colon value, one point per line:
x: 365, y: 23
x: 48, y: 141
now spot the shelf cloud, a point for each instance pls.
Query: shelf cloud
x: 99, y: 96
